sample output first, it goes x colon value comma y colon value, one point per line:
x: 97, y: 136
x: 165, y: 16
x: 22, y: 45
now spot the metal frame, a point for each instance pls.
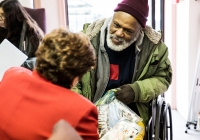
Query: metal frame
x: 66, y: 12
x: 153, y: 20
x: 159, y: 126
x: 162, y: 15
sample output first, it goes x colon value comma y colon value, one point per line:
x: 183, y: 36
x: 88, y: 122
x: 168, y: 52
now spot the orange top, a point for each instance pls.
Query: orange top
x: 30, y: 106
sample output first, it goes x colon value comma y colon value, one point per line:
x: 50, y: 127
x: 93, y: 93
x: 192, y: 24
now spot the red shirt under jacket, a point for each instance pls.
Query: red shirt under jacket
x: 30, y: 106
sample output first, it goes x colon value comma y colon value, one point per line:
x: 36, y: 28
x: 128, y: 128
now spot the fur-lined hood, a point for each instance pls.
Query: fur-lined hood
x: 96, y: 26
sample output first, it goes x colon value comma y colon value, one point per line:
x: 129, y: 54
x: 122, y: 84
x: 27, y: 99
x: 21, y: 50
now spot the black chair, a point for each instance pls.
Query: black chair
x: 159, y: 126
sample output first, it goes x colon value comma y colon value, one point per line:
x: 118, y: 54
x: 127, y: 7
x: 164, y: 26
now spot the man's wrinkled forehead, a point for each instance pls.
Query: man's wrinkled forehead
x: 123, y: 19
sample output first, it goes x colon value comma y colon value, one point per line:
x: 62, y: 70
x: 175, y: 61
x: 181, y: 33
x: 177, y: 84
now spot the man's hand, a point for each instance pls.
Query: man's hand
x: 125, y: 94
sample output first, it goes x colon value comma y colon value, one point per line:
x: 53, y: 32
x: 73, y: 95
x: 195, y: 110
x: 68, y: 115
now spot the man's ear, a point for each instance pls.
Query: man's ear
x: 75, y: 81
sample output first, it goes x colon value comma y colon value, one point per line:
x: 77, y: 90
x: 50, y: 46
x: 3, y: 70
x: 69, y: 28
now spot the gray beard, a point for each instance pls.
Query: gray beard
x: 121, y: 47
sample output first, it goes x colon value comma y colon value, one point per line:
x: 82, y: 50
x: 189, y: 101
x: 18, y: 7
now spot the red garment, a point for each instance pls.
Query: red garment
x: 30, y: 106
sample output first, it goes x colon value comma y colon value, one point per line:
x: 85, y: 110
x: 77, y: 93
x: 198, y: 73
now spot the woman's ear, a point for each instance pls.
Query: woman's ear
x: 75, y: 81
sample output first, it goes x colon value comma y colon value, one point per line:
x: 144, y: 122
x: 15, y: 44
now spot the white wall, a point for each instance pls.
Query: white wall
x: 182, y: 57
x: 27, y: 3
x: 188, y: 37
x: 168, y: 42
x: 52, y: 19
x: 194, y: 43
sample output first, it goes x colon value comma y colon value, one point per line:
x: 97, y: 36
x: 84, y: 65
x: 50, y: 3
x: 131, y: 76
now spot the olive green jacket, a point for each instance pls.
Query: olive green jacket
x: 152, y: 75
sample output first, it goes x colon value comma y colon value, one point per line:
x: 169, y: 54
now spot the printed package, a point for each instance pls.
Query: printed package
x: 113, y: 115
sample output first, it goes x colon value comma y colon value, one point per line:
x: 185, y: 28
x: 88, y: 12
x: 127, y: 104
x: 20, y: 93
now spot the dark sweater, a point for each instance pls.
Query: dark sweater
x: 122, y: 65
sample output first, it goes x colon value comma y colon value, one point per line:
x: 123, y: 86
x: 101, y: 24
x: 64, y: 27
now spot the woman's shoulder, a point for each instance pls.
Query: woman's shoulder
x: 14, y: 73
x: 17, y: 70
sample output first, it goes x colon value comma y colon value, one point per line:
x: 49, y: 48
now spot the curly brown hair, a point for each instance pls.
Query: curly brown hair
x: 63, y: 56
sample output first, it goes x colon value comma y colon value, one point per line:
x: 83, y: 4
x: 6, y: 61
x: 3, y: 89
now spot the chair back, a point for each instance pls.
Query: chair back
x: 39, y: 16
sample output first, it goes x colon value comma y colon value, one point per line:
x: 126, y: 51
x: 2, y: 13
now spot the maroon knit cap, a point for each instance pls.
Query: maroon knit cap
x: 139, y: 9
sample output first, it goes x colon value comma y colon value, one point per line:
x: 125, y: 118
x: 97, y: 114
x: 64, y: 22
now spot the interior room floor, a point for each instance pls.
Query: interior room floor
x: 179, y: 127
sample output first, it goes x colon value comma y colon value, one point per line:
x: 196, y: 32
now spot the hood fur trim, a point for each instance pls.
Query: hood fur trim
x: 153, y: 35
x: 95, y: 27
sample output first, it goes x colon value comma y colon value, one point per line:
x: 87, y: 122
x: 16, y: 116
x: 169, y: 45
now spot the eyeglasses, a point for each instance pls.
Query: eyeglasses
x: 2, y: 18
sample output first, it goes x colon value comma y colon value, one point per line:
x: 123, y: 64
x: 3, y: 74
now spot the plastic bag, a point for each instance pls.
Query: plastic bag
x: 110, y: 111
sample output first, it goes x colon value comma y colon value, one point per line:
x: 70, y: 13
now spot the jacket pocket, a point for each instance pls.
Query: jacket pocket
x: 152, y: 67
x: 151, y: 70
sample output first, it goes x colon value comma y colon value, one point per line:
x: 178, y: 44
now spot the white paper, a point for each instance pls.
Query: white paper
x: 10, y: 56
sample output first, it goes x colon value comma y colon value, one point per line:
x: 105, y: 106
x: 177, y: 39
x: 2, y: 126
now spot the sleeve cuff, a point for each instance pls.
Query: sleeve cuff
x: 136, y: 90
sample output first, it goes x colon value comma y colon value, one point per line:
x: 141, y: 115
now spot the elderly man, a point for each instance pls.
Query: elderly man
x: 131, y: 57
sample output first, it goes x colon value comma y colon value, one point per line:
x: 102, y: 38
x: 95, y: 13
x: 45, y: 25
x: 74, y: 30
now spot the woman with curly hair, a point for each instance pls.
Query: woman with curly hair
x: 42, y: 97
x: 20, y: 29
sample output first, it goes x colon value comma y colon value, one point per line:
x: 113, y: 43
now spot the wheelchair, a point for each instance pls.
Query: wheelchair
x: 159, y: 126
